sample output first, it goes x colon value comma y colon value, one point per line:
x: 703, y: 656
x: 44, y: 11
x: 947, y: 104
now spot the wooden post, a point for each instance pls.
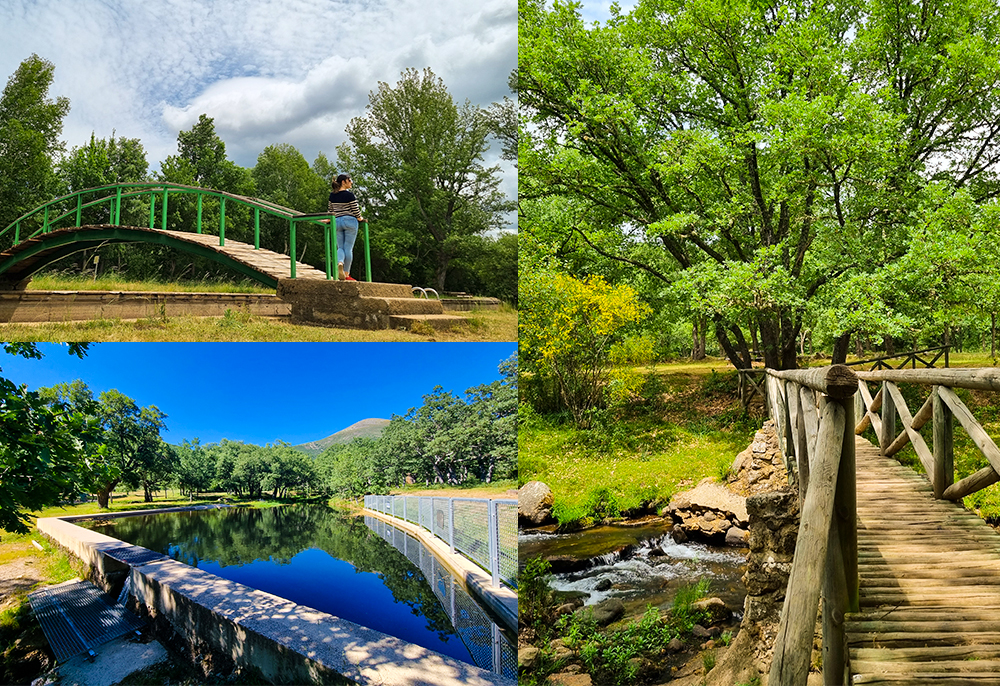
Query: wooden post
x: 859, y: 406
x: 888, y: 434
x: 834, y: 607
x: 944, y: 452
x: 797, y: 425
x: 846, y: 510
x: 793, y: 644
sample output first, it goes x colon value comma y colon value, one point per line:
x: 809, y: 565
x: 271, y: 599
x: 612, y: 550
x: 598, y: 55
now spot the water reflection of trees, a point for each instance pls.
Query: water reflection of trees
x: 240, y: 536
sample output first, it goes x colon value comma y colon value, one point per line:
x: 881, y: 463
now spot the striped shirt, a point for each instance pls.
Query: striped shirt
x: 344, y: 204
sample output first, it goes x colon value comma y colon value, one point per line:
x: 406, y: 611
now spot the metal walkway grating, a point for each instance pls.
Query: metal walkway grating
x: 76, y: 618
x: 134, y: 555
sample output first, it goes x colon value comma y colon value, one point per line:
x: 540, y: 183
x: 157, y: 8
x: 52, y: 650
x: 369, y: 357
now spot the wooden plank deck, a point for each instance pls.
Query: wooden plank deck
x: 930, y: 583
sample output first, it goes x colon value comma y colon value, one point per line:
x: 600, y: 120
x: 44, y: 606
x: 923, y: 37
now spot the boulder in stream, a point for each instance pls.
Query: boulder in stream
x: 534, y: 503
x: 708, y: 511
x: 605, y: 611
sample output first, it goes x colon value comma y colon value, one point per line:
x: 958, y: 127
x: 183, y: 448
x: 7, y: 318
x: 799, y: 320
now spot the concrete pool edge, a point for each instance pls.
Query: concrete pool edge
x: 503, y: 601
x: 289, y: 643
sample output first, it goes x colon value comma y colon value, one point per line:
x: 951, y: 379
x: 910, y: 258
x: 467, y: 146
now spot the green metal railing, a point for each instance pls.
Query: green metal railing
x: 55, y: 211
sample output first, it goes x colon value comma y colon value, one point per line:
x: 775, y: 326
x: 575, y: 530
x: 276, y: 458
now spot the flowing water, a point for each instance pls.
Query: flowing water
x: 640, y: 565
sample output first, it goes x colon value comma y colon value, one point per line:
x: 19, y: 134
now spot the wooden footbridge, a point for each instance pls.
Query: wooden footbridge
x: 909, y: 579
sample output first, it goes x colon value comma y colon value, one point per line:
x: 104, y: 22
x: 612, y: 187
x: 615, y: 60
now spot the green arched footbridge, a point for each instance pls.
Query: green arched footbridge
x: 54, y: 230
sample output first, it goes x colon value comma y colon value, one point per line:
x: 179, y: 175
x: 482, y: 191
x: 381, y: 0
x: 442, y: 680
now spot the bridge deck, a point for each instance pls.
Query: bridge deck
x: 930, y: 583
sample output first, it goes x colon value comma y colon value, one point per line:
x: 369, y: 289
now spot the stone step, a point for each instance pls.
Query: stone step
x: 440, y: 322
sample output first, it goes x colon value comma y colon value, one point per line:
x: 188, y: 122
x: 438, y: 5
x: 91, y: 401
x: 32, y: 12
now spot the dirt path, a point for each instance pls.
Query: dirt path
x: 23, y: 570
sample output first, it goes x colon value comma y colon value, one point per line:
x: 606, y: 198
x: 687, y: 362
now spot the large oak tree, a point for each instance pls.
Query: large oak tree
x: 781, y: 155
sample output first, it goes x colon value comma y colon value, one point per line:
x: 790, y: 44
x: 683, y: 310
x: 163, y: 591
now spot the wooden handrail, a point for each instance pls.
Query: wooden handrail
x: 814, y: 415
x: 979, y: 379
x: 814, y: 411
x: 911, y: 357
x: 941, y: 407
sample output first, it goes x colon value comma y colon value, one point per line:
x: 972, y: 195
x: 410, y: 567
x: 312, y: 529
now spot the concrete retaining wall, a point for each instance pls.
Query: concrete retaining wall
x: 68, y: 306
x: 289, y: 643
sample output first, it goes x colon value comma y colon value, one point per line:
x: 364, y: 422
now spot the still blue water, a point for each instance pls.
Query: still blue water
x: 307, y: 554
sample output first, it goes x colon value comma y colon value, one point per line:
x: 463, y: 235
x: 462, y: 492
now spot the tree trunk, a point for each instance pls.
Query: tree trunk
x: 841, y: 344
x: 147, y: 494
x: 769, y: 343
x: 698, y: 338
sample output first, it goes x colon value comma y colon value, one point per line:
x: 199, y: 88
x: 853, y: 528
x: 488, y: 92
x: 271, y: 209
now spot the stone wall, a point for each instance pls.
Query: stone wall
x: 63, y: 306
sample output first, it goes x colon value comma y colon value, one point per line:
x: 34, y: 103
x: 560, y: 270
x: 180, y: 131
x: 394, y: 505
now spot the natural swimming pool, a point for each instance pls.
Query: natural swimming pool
x: 338, y: 564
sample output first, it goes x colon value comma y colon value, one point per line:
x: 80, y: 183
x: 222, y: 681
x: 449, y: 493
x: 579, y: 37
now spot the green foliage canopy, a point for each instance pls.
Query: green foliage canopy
x: 30, y: 126
x: 417, y: 160
x: 776, y: 154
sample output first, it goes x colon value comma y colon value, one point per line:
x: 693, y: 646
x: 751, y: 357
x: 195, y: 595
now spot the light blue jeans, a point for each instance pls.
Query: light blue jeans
x: 347, y: 233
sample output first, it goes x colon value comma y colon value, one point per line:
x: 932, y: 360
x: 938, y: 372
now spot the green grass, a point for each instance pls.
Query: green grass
x: 83, y: 282
x: 692, y: 429
x: 484, y: 325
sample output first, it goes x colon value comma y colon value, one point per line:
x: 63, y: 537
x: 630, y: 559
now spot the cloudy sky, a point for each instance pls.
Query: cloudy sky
x: 267, y: 71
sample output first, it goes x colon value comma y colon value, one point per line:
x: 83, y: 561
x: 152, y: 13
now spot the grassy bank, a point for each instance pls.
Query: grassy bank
x: 687, y: 426
x: 237, y: 325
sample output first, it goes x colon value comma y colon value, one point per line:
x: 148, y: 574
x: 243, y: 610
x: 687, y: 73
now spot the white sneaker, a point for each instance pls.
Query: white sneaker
x: 340, y: 271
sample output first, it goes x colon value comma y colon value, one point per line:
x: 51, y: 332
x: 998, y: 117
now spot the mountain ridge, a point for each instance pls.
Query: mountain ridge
x: 366, y: 428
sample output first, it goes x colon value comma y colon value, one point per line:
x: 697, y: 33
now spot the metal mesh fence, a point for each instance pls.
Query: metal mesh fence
x: 413, y: 509
x: 441, y: 519
x: 472, y: 532
x: 426, y: 513
x: 506, y: 517
x: 487, y: 644
x: 472, y: 522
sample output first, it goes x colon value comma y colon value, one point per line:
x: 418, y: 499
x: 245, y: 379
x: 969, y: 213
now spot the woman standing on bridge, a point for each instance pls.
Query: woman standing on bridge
x: 344, y: 205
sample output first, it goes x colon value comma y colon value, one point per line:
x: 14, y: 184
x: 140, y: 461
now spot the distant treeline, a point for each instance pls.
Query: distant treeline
x: 449, y: 439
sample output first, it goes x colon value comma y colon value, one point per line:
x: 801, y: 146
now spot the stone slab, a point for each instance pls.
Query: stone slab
x: 25, y: 306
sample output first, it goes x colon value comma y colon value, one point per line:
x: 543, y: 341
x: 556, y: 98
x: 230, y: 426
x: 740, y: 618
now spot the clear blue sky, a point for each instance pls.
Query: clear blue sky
x: 263, y: 392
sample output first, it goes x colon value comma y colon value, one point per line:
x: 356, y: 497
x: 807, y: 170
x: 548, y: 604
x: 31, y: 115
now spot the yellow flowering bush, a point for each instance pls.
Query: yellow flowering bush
x: 574, y: 329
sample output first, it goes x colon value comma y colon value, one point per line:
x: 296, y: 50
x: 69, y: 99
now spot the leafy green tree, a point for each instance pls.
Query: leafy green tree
x: 773, y: 154
x: 491, y: 428
x: 488, y: 268
x: 201, y: 161
x: 356, y: 469
x: 417, y: 160
x: 135, y: 448
x: 503, y: 118
x: 283, y: 176
x: 195, y: 469
x: 30, y: 126
x: 288, y: 469
x: 104, y: 162
x: 49, y: 452
x: 134, y: 453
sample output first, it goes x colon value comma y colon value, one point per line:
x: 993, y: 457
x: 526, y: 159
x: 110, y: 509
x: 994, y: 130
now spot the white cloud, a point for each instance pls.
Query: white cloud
x: 267, y: 71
